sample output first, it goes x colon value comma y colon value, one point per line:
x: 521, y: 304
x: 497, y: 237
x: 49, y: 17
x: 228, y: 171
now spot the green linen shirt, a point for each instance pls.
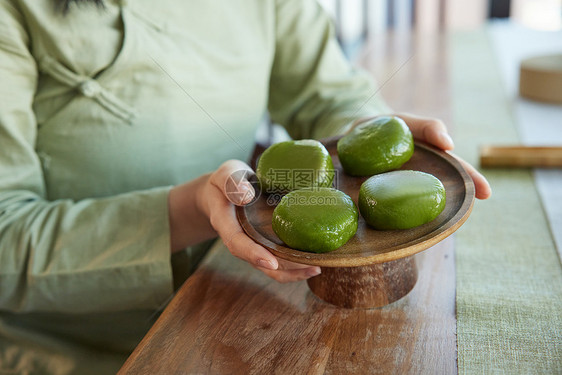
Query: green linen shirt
x: 101, y: 111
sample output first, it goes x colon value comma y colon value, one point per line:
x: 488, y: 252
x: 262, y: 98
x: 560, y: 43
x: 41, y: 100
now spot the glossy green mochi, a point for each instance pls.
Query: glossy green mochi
x: 318, y: 220
x: 291, y: 165
x: 401, y: 199
x: 376, y: 146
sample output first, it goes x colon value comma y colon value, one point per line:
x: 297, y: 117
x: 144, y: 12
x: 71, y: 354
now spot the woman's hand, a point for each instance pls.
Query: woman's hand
x: 212, y: 212
x: 434, y: 132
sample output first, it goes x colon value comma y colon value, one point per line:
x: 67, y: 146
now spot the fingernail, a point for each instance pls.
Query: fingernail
x: 265, y: 264
x: 446, y: 138
x: 247, y: 192
x: 314, y: 272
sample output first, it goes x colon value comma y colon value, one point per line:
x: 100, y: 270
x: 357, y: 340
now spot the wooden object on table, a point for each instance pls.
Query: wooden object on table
x: 520, y: 157
x: 540, y: 78
x: 373, y: 286
x: 378, y: 284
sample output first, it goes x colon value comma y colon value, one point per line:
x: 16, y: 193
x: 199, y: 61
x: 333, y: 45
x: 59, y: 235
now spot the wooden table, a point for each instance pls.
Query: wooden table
x: 229, y: 318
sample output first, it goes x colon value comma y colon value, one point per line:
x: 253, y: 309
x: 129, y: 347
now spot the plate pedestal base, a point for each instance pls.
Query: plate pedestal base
x: 368, y: 286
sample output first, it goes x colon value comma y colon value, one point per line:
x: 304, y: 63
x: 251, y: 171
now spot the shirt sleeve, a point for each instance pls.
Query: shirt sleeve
x: 93, y: 255
x: 314, y: 91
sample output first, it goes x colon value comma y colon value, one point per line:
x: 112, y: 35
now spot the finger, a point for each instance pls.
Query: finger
x: 232, y: 179
x: 288, y: 265
x: 243, y: 247
x: 223, y: 220
x: 286, y: 276
x: 223, y: 216
x: 432, y: 131
x: 482, y: 187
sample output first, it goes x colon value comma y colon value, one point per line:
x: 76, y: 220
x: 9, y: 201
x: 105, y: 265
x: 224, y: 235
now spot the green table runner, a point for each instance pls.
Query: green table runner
x: 509, y: 277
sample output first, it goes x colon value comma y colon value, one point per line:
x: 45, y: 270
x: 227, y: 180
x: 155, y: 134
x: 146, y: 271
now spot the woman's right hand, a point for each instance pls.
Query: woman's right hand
x: 209, y: 209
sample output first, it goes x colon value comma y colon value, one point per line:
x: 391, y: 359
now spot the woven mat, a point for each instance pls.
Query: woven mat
x: 509, y: 277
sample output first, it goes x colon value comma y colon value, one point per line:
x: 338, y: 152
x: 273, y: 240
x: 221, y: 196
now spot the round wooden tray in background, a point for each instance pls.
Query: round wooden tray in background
x: 540, y: 78
x: 372, y: 259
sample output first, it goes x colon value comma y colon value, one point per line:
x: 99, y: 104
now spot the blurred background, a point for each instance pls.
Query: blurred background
x: 357, y: 20
x: 406, y: 45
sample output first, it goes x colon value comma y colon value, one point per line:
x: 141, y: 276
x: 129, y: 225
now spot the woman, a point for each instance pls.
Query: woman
x: 116, y: 124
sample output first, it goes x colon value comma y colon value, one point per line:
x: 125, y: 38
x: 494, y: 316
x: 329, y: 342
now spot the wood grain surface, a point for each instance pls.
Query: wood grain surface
x: 228, y: 318
x: 369, y: 246
x: 231, y: 319
x: 369, y: 286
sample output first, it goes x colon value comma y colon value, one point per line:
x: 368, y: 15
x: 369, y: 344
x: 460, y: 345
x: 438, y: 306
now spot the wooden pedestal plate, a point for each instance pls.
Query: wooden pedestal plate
x: 374, y: 268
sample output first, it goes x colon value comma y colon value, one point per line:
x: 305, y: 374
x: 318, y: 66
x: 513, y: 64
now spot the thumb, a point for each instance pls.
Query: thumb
x: 430, y: 130
x: 234, y: 178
